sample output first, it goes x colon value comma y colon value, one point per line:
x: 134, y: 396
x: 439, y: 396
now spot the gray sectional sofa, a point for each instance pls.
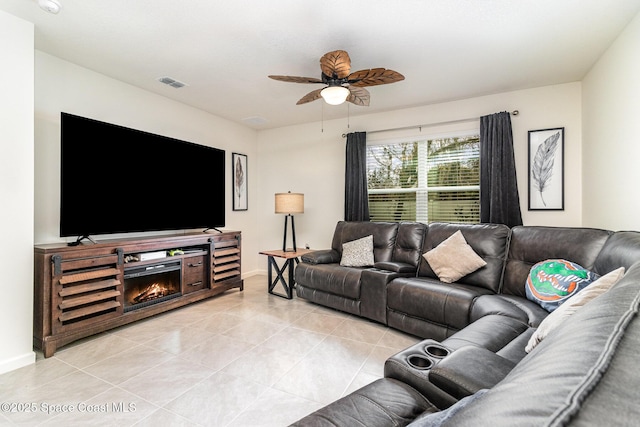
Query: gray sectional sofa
x: 472, y: 367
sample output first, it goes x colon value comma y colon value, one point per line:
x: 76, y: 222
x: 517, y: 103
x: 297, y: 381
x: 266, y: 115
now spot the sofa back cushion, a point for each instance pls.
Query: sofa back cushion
x: 622, y: 249
x: 531, y: 244
x: 409, y: 241
x: 384, y: 236
x: 489, y: 241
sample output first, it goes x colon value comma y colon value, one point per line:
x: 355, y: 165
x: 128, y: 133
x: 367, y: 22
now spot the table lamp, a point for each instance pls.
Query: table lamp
x: 289, y: 204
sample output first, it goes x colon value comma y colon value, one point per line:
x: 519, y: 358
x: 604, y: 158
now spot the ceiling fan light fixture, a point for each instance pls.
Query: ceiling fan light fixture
x: 341, y: 84
x: 334, y: 95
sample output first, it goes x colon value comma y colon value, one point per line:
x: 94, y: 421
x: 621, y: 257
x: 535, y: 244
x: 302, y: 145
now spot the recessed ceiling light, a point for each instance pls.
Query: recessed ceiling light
x: 255, y: 120
x: 51, y: 6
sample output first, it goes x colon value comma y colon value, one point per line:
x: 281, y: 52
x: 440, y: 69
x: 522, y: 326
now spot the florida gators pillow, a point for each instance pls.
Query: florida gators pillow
x: 552, y: 282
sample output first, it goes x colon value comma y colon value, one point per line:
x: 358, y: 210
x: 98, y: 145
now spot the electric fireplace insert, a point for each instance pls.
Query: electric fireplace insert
x: 150, y: 284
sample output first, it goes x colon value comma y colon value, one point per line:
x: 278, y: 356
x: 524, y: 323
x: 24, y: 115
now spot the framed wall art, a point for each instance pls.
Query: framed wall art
x: 546, y: 169
x: 239, y: 179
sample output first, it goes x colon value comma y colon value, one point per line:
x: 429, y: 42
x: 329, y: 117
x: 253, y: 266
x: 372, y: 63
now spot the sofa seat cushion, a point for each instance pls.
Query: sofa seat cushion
x: 515, y: 350
x: 509, y: 305
x: 384, y: 402
x: 330, y: 278
x: 493, y: 332
x: 433, y: 300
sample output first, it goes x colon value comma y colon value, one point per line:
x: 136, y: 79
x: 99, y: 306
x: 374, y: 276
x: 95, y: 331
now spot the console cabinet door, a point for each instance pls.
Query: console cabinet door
x: 226, y: 258
x: 85, y: 290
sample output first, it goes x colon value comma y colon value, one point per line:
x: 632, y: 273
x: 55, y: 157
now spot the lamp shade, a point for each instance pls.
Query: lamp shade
x: 334, y: 95
x: 289, y: 203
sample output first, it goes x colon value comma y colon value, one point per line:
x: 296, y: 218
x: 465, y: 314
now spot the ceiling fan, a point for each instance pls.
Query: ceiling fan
x: 341, y: 84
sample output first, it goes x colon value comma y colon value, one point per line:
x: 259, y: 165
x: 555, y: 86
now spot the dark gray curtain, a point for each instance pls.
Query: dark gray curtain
x: 499, y: 201
x: 356, y: 200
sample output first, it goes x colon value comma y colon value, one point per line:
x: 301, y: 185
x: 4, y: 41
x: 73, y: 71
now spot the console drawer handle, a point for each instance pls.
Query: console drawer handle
x: 195, y: 284
x: 195, y: 265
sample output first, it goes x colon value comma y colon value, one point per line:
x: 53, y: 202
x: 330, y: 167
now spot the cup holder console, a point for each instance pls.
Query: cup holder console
x: 413, y: 366
x: 425, y: 355
x: 419, y: 361
x: 436, y: 350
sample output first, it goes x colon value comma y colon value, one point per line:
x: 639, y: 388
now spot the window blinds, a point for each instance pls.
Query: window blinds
x: 429, y: 180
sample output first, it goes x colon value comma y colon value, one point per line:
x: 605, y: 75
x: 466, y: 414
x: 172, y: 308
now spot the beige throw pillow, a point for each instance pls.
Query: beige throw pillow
x: 560, y: 314
x: 358, y: 253
x: 453, y: 258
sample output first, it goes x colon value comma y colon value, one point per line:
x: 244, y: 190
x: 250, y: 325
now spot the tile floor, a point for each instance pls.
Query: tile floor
x: 239, y: 359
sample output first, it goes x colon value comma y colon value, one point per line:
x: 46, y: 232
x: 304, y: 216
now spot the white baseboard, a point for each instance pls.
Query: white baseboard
x: 17, y: 362
x: 254, y: 273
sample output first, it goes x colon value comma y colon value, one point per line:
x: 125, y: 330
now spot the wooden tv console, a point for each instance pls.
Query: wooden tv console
x: 80, y: 290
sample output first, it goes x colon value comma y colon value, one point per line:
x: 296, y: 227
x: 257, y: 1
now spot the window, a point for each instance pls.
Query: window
x: 427, y: 180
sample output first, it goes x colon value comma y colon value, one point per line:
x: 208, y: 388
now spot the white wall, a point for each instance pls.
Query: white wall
x: 305, y: 159
x: 611, y: 129
x: 16, y: 193
x: 63, y: 86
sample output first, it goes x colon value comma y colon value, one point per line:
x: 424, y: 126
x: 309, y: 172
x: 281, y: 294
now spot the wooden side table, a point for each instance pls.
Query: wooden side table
x: 290, y: 261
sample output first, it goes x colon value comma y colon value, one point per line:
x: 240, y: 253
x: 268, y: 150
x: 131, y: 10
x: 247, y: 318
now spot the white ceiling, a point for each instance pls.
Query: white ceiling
x: 224, y: 50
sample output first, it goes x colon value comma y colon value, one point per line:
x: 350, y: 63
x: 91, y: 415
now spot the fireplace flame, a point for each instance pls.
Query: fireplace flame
x: 153, y: 291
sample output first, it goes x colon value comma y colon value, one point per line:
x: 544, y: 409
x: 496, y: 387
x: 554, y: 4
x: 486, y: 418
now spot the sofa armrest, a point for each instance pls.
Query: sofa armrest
x: 382, y: 403
x: 323, y: 256
x: 468, y: 370
x: 396, y: 267
x: 373, y: 293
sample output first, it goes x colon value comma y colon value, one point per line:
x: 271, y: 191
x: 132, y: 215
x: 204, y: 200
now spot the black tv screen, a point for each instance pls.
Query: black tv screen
x: 115, y: 179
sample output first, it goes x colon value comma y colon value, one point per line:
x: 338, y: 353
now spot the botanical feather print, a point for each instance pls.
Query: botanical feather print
x: 239, y: 179
x: 542, y: 169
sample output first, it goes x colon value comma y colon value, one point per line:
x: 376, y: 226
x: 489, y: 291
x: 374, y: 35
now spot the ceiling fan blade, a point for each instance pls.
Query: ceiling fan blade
x: 295, y: 79
x: 311, y: 96
x: 358, y: 96
x: 336, y: 64
x: 374, y: 77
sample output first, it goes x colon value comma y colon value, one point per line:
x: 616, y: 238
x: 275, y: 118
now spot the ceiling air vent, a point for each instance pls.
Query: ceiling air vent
x: 172, y: 82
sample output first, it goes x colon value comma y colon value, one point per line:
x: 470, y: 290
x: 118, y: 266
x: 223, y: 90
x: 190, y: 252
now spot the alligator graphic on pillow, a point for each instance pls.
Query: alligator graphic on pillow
x: 553, y: 281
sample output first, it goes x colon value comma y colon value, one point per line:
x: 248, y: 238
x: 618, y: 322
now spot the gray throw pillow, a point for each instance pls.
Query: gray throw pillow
x: 358, y: 253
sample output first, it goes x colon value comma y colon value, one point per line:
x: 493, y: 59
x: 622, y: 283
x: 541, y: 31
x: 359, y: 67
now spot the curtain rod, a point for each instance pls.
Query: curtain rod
x: 449, y: 122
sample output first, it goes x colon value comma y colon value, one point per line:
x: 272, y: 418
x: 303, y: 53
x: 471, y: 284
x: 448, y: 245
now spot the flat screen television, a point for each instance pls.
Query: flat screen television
x: 115, y: 179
